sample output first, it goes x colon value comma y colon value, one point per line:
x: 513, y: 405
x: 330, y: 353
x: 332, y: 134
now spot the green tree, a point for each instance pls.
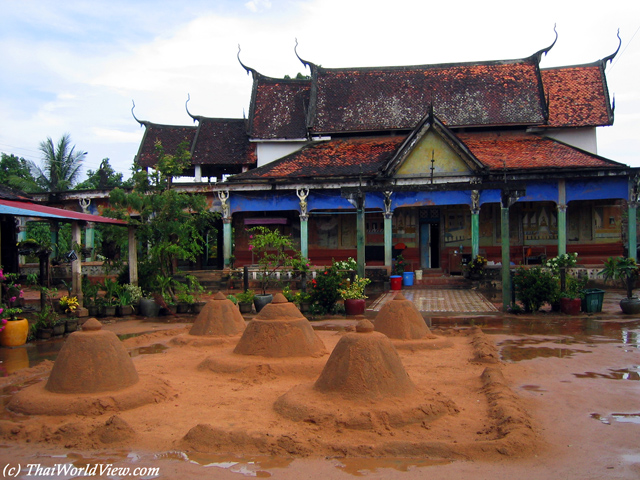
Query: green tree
x: 60, y: 167
x: 14, y: 171
x: 170, y: 224
x: 104, y: 177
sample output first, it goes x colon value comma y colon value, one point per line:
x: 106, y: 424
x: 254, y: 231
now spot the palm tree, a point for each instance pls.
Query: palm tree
x: 60, y: 166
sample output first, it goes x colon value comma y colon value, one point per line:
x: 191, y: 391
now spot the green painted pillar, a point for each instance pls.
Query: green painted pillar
x: 506, y: 258
x: 562, y: 229
x: 89, y: 238
x: 227, y: 241
x: 304, y: 236
x: 632, y: 232
x: 475, y: 233
x: 360, y: 235
x: 388, y: 240
x: 475, y: 223
x: 562, y: 217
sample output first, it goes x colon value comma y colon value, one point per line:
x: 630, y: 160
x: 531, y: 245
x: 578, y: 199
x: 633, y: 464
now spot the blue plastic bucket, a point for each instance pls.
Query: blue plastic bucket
x: 407, y: 278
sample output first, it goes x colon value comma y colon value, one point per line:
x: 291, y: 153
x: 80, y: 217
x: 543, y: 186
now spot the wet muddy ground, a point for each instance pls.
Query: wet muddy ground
x: 579, y: 377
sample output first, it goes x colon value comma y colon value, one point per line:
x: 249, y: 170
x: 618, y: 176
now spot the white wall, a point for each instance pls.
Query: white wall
x: 269, y: 151
x: 583, y: 138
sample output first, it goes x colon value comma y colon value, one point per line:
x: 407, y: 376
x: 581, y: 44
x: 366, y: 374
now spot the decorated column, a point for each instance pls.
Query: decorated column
x: 508, y: 198
x: 634, y: 193
x: 475, y: 223
x: 303, y: 193
x: 227, y: 239
x: 388, y: 231
x: 89, y: 231
x: 361, y: 234
x: 133, y: 256
x: 76, y: 267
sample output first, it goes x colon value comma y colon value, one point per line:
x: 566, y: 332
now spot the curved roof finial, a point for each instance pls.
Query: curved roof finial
x: 248, y: 69
x: 304, y: 62
x: 612, y: 56
x: 141, y: 122
x: 186, y: 106
x: 546, y: 50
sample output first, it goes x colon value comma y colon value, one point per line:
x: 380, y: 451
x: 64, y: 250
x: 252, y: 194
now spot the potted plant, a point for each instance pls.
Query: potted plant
x: 624, y: 270
x: 90, y: 293
x: 68, y: 305
x: 475, y: 268
x: 110, y: 300
x: 14, y: 330
x: 245, y: 301
x: 571, y: 297
x: 271, y: 247
x: 191, y: 292
x: 354, y: 297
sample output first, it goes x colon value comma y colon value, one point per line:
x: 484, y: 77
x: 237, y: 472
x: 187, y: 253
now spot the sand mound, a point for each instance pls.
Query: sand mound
x: 363, y: 385
x: 218, y: 317
x: 400, y: 319
x: 91, y: 361
x: 484, y: 349
x: 280, y: 330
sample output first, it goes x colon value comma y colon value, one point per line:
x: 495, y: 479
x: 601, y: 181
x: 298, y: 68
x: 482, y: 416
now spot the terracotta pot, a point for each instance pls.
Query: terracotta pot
x: 354, y: 306
x: 15, y: 333
x: 630, y: 306
x: 570, y: 306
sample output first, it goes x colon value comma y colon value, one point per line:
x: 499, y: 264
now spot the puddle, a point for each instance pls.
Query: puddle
x: 362, y: 466
x: 533, y: 388
x: 618, y: 417
x: 149, y: 350
x: 249, y: 466
x: 632, y: 373
x: 518, y: 354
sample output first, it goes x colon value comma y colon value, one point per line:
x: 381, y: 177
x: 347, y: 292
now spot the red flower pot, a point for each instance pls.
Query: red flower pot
x: 354, y: 306
x: 570, y: 306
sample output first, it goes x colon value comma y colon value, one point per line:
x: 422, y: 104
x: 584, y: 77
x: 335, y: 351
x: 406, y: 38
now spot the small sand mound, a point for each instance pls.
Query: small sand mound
x: 280, y: 330
x: 400, y: 319
x: 91, y: 361
x: 363, y: 386
x: 218, y: 317
x: 115, y: 430
x: 484, y: 350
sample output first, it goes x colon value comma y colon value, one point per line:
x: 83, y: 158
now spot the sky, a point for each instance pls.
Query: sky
x: 77, y: 66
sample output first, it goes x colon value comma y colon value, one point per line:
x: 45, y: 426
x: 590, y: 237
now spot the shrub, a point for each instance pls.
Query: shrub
x: 535, y: 287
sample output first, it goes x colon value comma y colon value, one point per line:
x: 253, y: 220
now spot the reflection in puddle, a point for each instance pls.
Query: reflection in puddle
x: 533, y: 388
x: 632, y: 373
x: 362, y: 466
x: 517, y: 354
x: 618, y: 417
x: 249, y: 466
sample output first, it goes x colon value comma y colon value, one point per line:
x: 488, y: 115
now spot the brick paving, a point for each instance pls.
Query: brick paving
x: 440, y: 300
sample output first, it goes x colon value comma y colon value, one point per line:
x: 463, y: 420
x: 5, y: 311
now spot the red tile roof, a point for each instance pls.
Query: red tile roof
x: 578, y: 96
x: 334, y: 158
x: 279, y: 108
x: 222, y: 141
x: 169, y: 135
x: 519, y: 150
x: 388, y: 98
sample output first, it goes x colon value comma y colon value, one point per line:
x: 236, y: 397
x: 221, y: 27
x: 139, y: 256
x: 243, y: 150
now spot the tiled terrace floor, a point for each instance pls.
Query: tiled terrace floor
x: 440, y: 300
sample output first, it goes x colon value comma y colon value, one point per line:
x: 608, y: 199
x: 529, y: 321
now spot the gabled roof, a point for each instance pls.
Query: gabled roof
x: 278, y: 108
x: 577, y: 96
x: 395, y: 98
x: 430, y: 123
x: 525, y: 151
x: 169, y: 135
x: 332, y: 159
x: 222, y: 141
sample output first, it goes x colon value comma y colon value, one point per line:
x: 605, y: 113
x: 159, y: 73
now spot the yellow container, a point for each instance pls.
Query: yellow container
x: 15, y: 333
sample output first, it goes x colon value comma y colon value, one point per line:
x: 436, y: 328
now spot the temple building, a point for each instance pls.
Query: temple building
x: 439, y: 162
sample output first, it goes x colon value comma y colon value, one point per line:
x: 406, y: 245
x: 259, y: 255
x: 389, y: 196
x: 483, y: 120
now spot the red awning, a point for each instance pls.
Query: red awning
x: 29, y: 209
